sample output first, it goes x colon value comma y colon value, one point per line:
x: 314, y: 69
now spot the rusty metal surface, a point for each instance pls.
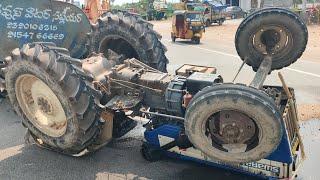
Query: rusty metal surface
x: 124, y: 102
x: 188, y: 69
x: 232, y: 130
x: 106, y: 133
x: 271, y: 39
x: 42, y: 21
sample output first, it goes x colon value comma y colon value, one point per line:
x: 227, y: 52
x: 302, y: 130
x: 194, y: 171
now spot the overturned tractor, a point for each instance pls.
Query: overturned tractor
x: 74, y: 106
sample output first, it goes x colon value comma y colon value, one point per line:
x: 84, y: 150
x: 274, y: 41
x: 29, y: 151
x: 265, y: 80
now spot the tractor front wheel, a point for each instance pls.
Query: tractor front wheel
x: 277, y: 32
x: 233, y: 123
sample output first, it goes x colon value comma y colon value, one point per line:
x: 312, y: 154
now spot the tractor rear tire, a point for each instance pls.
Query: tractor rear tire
x: 251, y: 102
x: 130, y: 35
x: 36, y: 67
x: 286, y: 21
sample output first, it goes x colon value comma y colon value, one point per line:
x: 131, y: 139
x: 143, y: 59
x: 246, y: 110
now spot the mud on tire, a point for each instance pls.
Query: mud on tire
x: 249, y: 41
x: 130, y: 35
x: 256, y: 105
x: 82, y: 116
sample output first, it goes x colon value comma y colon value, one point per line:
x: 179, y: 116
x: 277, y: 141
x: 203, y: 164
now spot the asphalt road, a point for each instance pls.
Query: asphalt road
x: 121, y: 159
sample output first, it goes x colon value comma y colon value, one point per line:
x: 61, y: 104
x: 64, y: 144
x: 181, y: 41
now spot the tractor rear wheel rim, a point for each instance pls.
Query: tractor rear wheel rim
x: 40, y: 105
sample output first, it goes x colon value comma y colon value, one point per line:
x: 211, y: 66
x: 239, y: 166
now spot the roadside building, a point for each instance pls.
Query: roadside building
x: 244, y: 4
x: 249, y: 4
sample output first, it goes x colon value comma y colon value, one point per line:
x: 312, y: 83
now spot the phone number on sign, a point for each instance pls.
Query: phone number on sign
x: 27, y: 26
x: 31, y: 35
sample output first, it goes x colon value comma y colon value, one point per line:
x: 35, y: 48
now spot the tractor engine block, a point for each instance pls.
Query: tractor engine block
x: 127, y: 85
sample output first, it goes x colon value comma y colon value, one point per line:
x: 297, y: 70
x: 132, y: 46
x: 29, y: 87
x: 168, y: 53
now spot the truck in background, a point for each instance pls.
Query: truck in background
x: 214, y: 12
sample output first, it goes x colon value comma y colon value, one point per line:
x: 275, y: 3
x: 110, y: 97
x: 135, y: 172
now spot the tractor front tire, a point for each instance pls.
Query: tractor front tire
x: 218, y: 116
x: 281, y: 26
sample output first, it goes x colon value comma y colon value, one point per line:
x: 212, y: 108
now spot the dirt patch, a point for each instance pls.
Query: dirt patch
x: 313, y: 47
x: 308, y: 112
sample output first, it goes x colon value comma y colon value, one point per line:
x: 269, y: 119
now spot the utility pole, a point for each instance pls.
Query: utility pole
x: 304, y: 9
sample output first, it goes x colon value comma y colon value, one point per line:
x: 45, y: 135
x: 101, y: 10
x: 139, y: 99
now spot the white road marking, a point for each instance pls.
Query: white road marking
x: 304, y: 72
x: 218, y: 52
x: 235, y: 56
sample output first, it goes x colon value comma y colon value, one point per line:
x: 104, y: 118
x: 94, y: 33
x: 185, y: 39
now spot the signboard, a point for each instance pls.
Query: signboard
x: 42, y: 21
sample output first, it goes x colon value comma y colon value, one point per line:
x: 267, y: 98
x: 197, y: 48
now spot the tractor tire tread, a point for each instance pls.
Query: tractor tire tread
x: 86, y: 113
x: 242, y: 92
x: 247, y: 56
x: 138, y: 32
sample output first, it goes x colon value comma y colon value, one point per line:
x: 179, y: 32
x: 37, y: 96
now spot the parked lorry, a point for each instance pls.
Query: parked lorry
x: 156, y: 10
x: 214, y: 12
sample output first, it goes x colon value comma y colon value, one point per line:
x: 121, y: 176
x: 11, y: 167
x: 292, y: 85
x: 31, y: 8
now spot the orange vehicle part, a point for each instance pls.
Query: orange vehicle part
x: 94, y: 8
